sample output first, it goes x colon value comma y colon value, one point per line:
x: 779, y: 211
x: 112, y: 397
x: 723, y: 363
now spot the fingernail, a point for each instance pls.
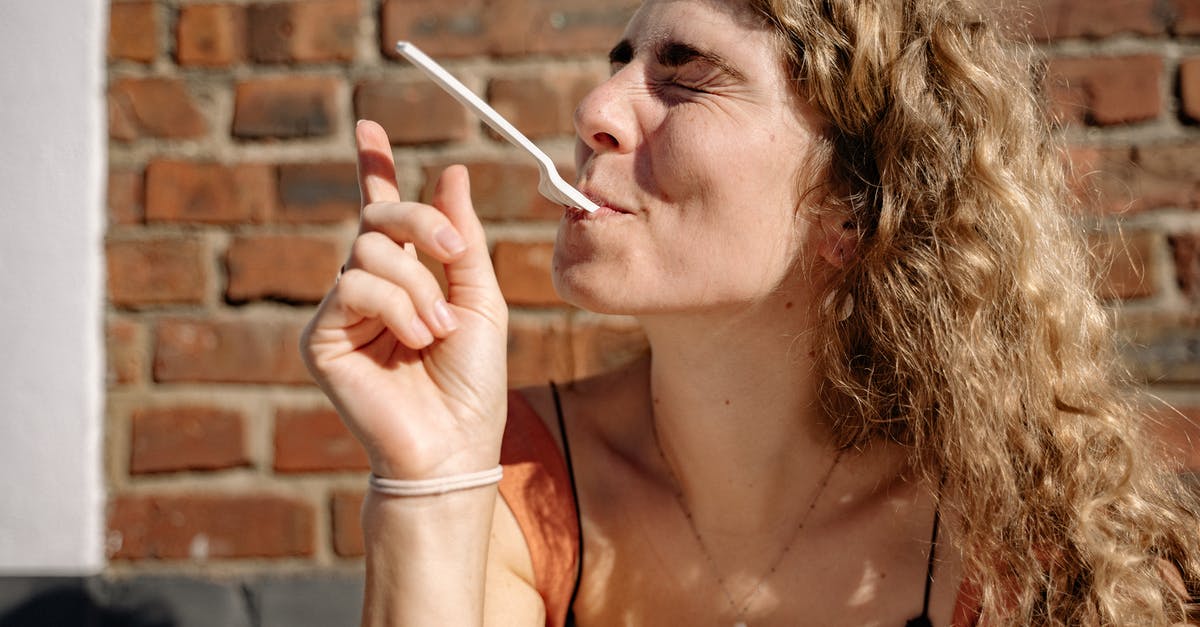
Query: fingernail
x: 359, y: 123
x: 445, y: 318
x: 421, y: 332
x: 450, y: 240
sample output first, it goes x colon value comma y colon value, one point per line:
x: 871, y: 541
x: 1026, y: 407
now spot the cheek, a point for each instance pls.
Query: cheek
x: 682, y: 158
x: 735, y: 200
x: 740, y: 167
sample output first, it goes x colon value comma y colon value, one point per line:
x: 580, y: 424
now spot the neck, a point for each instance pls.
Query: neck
x: 733, y: 401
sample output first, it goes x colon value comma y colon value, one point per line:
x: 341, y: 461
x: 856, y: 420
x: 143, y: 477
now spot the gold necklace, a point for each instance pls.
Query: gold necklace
x: 740, y: 609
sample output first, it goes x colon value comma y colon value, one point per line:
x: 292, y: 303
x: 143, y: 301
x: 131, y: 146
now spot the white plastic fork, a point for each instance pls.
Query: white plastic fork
x: 550, y: 183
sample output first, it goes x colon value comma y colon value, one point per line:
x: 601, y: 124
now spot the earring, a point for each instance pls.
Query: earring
x: 844, y: 310
x: 847, y: 308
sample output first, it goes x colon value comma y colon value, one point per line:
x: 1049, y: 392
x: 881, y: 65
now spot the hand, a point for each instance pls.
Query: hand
x: 418, y: 380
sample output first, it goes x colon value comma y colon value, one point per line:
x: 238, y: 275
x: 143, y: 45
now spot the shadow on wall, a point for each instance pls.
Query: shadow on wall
x: 74, y: 605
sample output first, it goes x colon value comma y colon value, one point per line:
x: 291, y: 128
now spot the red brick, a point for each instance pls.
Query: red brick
x: 306, y: 31
x: 345, y: 509
x: 1124, y: 263
x: 211, y: 35
x: 560, y: 26
x: 318, y: 192
x: 294, y: 268
x: 1187, y: 17
x: 1106, y: 179
x: 1189, y: 87
x: 1168, y: 176
x: 165, y: 270
x: 501, y: 190
x: 1105, y: 91
x: 183, y: 191
x: 1119, y: 180
x: 523, y: 269
x: 126, y: 196
x: 126, y: 350
x: 229, y: 350
x: 1175, y: 161
x: 604, y: 344
x: 413, y: 112
x: 441, y: 29
x: 133, y: 31
x: 166, y: 439
x: 122, y: 125
x: 1185, y: 248
x: 286, y: 106
x: 1178, y: 431
x: 1062, y: 19
x: 153, y: 107
x: 539, y: 349
x: 1162, y: 347
x: 315, y: 440
x: 505, y: 27
x: 205, y: 526
x: 543, y: 104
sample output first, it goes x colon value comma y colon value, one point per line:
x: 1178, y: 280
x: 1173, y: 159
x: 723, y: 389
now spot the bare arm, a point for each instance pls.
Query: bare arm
x: 413, y: 565
x: 426, y: 558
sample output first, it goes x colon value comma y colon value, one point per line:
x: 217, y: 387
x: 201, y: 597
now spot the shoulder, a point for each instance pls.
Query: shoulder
x: 594, y: 409
x: 535, y: 534
x: 534, y: 403
x: 530, y: 491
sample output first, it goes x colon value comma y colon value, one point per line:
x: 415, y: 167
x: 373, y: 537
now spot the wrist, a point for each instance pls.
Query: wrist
x: 406, y: 466
x: 436, y: 486
x: 437, y: 518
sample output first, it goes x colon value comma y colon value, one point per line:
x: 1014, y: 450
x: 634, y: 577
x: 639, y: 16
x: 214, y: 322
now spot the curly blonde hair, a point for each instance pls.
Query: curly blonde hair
x: 975, y: 336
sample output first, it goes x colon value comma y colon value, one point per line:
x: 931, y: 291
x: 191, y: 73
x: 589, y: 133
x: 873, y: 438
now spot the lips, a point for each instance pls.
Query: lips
x: 576, y: 214
x: 607, y: 207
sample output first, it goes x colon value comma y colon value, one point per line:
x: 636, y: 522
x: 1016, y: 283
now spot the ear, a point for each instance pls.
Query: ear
x: 837, y: 238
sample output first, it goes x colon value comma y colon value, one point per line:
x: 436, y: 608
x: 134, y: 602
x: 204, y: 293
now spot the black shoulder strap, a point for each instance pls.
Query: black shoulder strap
x: 923, y: 619
x: 562, y: 429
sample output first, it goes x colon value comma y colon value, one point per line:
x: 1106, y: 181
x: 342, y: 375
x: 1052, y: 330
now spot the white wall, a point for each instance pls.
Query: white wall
x: 52, y: 176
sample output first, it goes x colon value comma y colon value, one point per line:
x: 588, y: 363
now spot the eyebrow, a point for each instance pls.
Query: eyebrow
x: 674, y: 54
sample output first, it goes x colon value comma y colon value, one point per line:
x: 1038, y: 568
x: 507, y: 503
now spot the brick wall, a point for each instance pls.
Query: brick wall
x: 232, y: 201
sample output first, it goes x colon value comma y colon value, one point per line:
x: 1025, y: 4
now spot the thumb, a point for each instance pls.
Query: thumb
x: 470, y: 278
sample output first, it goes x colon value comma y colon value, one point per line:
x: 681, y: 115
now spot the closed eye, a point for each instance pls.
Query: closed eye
x: 620, y: 55
x: 684, y: 85
x: 674, y: 54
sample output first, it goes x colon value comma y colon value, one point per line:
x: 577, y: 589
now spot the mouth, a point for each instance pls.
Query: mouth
x: 607, y: 209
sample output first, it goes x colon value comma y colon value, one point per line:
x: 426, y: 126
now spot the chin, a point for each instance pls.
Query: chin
x: 594, y: 286
x: 577, y: 289
x: 579, y: 274
x: 609, y: 279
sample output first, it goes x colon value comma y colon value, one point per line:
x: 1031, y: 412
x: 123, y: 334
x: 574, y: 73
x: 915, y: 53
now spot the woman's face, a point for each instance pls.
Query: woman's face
x: 693, y: 148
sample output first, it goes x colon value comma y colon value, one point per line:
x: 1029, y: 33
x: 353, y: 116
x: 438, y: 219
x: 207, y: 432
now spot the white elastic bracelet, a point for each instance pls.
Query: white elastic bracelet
x: 433, y: 487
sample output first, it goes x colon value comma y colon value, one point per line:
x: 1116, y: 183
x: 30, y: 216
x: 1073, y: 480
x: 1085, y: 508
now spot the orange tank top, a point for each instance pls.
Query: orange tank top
x: 537, y: 488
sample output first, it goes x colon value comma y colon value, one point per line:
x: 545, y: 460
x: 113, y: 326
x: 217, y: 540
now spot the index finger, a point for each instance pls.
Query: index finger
x: 376, y: 167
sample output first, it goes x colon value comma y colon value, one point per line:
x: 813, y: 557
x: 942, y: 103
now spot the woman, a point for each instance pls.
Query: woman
x: 878, y: 387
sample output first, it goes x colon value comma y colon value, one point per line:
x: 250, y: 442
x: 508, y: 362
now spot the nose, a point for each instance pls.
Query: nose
x: 604, y: 119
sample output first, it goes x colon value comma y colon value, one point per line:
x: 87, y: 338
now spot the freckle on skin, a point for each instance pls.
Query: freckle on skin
x: 726, y: 401
x: 788, y: 305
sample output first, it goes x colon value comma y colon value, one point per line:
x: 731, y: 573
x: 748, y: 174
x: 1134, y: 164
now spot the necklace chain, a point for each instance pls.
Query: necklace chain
x: 740, y: 609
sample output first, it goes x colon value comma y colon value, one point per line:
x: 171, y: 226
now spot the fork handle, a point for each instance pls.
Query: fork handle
x: 468, y: 98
